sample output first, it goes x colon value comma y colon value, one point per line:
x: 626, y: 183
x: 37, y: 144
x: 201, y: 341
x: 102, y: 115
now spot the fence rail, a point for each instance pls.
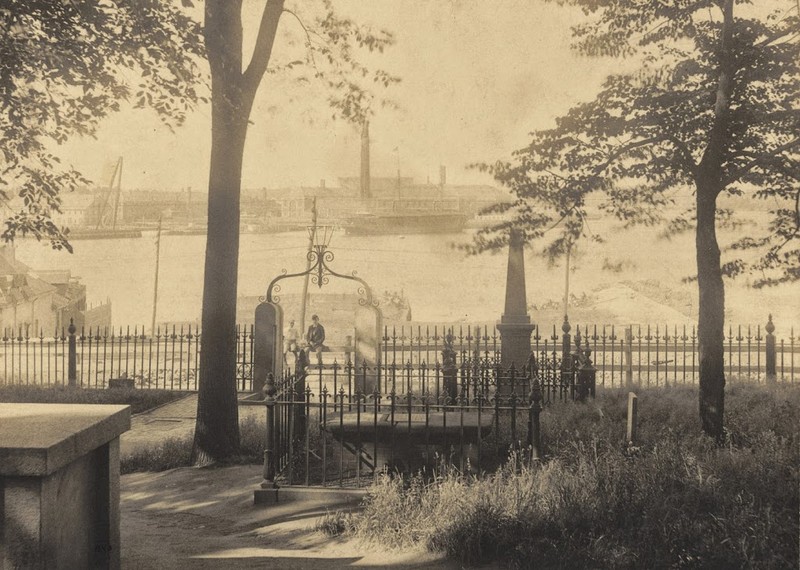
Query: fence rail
x: 410, y: 357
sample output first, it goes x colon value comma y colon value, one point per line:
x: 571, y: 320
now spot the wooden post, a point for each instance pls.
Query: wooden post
x: 633, y: 413
x: 772, y: 375
x: 628, y: 357
x: 72, y: 360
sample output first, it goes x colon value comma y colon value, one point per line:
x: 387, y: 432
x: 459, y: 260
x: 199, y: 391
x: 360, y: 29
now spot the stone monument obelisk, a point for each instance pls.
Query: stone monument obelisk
x: 515, y: 325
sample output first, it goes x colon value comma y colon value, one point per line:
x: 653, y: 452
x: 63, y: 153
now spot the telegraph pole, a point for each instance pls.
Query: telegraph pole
x: 566, y: 284
x: 155, y: 286
x: 311, y: 236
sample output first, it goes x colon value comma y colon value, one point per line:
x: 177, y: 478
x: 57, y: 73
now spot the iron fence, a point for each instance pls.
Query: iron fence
x: 642, y: 355
x: 346, y: 435
x: 410, y: 357
x: 168, y: 359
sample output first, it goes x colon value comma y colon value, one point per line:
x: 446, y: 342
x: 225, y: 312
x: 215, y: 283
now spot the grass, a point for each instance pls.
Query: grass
x: 676, y: 500
x: 138, y: 400
x: 176, y: 452
x: 336, y: 523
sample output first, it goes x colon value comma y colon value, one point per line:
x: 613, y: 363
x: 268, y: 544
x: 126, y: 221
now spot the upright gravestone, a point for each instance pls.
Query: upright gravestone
x: 369, y: 323
x: 267, y: 344
x: 515, y: 325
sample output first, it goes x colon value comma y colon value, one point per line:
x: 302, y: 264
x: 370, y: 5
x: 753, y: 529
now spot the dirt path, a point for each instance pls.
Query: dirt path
x: 205, y: 518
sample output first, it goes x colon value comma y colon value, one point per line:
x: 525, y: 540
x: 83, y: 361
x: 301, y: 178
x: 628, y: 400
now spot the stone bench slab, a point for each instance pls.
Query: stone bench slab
x: 39, y: 439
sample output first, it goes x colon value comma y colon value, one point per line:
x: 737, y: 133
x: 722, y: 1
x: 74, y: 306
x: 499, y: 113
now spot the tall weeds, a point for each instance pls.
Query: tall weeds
x: 678, y: 500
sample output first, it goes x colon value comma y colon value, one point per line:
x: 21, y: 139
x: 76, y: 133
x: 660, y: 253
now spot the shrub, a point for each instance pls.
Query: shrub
x: 138, y: 400
x: 336, y: 523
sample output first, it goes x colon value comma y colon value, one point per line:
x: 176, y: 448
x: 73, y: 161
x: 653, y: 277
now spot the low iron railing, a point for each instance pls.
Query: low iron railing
x: 345, y: 436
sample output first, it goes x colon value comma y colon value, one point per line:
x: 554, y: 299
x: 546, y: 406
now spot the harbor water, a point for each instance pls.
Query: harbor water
x: 441, y: 282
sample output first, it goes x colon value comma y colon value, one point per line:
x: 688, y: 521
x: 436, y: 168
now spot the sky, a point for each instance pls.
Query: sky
x: 476, y: 78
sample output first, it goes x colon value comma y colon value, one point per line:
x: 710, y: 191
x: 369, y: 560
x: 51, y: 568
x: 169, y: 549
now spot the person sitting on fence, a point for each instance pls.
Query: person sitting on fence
x: 315, y: 337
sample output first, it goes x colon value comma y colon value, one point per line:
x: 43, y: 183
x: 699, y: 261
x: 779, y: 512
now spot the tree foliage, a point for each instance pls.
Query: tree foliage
x: 712, y: 105
x: 67, y: 64
x: 651, y: 131
x: 335, y: 49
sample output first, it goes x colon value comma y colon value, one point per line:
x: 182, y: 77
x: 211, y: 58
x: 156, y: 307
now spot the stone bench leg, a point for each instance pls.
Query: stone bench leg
x: 68, y: 519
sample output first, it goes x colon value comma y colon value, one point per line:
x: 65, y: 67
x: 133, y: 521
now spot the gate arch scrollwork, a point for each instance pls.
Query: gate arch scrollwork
x: 320, y: 272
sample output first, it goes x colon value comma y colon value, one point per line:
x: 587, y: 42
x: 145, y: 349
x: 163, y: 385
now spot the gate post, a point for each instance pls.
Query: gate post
x: 268, y: 490
x: 366, y: 345
x: 267, y: 343
x: 771, y: 368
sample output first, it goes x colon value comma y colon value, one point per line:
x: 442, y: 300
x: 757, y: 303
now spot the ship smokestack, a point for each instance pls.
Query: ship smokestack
x: 365, y: 177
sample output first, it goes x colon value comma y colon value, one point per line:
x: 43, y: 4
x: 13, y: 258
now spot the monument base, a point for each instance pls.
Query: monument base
x: 515, y: 343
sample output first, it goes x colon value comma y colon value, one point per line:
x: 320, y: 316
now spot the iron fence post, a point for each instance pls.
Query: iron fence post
x: 567, y: 373
x: 628, y: 364
x: 72, y: 360
x: 587, y: 376
x: 534, y: 433
x: 771, y: 359
x: 269, y: 443
x: 300, y: 389
x: 449, y: 370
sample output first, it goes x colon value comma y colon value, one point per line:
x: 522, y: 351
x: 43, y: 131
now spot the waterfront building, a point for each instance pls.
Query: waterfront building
x: 34, y: 302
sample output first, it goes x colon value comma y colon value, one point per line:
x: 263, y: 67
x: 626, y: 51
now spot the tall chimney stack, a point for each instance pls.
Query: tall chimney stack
x: 365, y: 178
x: 442, y: 175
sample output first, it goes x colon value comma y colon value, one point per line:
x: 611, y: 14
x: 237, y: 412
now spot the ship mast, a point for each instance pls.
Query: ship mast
x: 117, y: 194
x: 102, y: 210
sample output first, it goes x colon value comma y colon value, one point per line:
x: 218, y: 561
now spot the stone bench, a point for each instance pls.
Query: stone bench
x: 59, y: 485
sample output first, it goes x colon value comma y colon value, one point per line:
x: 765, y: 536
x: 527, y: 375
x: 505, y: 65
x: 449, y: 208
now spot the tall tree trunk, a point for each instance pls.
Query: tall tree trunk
x: 217, y: 425
x: 232, y: 93
x: 709, y: 184
x: 217, y: 428
x: 711, y: 317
